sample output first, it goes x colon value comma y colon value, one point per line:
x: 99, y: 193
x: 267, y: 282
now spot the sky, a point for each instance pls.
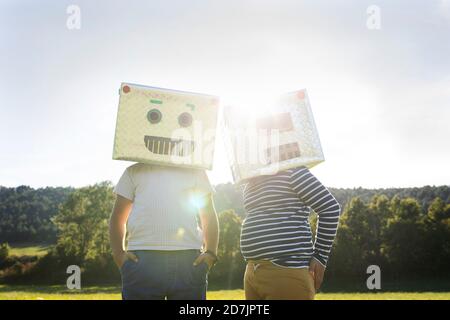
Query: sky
x: 378, y: 81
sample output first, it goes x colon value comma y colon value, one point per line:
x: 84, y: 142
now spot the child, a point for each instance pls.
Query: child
x: 157, y: 207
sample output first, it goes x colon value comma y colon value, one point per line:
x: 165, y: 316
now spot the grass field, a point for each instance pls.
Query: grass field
x: 20, y: 292
x: 113, y: 293
x: 28, y: 250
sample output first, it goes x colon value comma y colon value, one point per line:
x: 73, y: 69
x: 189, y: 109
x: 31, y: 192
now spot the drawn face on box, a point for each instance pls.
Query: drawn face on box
x: 281, y: 137
x: 281, y: 141
x: 165, y: 126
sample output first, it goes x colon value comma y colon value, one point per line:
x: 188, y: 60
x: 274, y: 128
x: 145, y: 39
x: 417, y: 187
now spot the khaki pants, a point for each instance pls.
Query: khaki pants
x: 264, y: 280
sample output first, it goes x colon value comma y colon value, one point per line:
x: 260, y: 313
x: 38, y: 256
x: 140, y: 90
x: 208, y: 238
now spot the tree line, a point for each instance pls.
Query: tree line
x: 25, y: 213
x: 406, y: 232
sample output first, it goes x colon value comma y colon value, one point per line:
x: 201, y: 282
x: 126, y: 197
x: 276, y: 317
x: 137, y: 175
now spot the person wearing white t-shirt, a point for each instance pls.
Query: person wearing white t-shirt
x: 164, y: 232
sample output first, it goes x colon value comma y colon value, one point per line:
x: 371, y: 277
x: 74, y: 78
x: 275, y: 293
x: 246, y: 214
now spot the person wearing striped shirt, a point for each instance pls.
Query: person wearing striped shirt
x: 283, y: 261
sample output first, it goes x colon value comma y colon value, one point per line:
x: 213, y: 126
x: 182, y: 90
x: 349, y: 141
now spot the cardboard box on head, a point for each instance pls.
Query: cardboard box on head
x: 165, y: 127
x: 282, y: 136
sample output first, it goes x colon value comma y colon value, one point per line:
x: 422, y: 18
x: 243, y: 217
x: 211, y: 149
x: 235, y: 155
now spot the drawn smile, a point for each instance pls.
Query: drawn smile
x: 167, y: 146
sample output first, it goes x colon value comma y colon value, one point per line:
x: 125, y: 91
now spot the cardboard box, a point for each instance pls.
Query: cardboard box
x: 281, y: 136
x: 165, y: 127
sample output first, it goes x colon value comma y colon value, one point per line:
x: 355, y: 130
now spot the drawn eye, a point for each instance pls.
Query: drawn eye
x: 185, y: 119
x: 154, y: 116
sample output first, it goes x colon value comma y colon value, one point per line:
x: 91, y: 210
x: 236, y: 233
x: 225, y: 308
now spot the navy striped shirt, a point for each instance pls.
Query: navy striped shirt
x: 277, y: 224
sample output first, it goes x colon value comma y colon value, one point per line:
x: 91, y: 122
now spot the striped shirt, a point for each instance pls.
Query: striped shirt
x: 277, y: 224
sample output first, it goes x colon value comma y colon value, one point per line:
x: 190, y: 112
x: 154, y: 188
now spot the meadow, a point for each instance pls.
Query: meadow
x: 31, y: 250
x: 60, y: 292
x: 8, y: 292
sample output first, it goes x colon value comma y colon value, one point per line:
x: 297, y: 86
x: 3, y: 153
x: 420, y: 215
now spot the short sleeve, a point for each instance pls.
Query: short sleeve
x: 125, y: 187
x: 203, y: 185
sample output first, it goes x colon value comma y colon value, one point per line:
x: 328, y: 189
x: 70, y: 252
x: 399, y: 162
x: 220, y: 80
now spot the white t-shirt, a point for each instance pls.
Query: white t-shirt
x: 166, y: 203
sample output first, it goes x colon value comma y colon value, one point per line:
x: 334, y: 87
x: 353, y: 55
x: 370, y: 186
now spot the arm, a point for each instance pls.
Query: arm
x: 117, y: 230
x: 210, y: 227
x: 315, y: 195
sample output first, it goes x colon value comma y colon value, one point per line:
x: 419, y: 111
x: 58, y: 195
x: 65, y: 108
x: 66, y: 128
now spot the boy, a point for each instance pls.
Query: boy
x: 168, y: 216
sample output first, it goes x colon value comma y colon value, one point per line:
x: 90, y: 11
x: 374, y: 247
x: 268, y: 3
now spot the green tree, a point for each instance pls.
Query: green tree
x: 405, y: 237
x: 229, y: 270
x: 438, y: 210
x: 365, y: 227
x: 350, y: 251
x: 437, y: 237
x: 82, y: 222
x: 359, y: 241
x: 380, y: 210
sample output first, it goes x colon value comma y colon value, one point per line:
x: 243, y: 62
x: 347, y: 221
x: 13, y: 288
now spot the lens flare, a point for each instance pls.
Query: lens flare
x: 197, y: 200
x: 180, y: 233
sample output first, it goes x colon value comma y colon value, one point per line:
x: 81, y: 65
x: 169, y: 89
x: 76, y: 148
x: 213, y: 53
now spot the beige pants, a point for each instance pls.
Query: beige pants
x: 264, y: 280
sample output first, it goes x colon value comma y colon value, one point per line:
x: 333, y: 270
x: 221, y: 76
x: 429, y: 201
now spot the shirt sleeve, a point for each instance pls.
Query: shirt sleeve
x: 203, y: 186
x: 316, y: 196
x: 125, y: 187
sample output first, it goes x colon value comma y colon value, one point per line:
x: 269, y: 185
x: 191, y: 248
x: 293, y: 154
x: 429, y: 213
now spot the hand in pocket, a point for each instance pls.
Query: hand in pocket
x: 120, y: 260
x: 317, y: 271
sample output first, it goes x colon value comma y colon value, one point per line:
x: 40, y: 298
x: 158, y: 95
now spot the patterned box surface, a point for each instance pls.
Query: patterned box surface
x: 281, y: 137
x: 165, y: 127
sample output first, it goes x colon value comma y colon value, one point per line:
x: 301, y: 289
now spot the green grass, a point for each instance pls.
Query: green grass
x: 20, y: 292
x: 113, y: 293
x: 28, y: 250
